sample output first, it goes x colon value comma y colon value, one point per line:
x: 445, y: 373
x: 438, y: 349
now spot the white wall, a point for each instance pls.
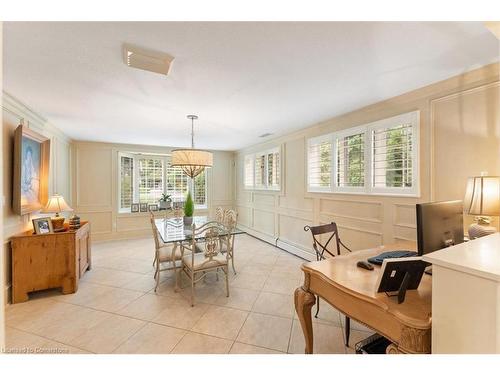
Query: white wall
x: 459, y: 137
x: 95, y: 188
x: 14, y: 112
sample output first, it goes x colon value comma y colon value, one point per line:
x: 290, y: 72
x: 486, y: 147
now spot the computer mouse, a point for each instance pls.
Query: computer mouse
x: 364, y: 264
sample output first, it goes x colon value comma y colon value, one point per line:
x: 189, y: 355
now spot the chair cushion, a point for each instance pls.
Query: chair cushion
x: 201, y: 262
x: 166, y: 253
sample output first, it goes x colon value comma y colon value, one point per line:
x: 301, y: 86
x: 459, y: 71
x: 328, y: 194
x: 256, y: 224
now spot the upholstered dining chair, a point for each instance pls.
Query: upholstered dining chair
x: 169, y: 254
x: 321, y: 247
x: 209, y: 258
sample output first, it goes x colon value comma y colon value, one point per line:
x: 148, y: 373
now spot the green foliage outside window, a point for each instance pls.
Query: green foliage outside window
x: 355, y: 161
x: 325, y: 155
x: 398, y: 164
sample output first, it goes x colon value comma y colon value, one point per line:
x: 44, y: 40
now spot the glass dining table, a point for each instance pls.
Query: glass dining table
x: 172, y: 230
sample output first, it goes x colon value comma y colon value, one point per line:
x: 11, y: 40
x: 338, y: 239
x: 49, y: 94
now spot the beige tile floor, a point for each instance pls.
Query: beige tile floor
x: 117, y: 311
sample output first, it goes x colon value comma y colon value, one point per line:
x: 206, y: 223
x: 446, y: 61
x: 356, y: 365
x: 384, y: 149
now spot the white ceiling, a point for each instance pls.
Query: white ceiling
x: 242, y: 79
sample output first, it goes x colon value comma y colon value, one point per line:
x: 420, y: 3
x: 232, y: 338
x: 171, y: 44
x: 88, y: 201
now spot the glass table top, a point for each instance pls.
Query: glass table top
x: 173, y: 230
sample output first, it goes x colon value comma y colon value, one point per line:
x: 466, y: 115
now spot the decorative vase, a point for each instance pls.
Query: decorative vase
x: 74, y: 222
x: 188, y: 221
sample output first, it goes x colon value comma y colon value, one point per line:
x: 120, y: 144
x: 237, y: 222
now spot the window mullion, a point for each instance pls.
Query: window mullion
x: 369, y: 162
x: 136, y: 179
x: 333, y: 163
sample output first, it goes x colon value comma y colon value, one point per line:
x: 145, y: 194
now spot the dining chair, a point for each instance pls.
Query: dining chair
x: 196, y: 265
x: 169, y: 254
x: 219, y: 214
x: 321, y: 247
x: 230, y: 221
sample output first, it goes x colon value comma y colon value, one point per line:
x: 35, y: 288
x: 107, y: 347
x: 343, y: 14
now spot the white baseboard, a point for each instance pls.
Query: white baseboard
x: 281, y: 244
x: 294, y: 249
x: 259, y: 235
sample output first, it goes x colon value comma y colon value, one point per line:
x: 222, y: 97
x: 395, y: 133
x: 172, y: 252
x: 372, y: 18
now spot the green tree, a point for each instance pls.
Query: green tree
x: 398, y: 164
x: 189, y: 206
x: 325, y: 150
x: 355, y: 161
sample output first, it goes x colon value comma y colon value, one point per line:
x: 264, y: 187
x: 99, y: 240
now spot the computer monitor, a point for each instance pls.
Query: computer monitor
x: 439, y: 225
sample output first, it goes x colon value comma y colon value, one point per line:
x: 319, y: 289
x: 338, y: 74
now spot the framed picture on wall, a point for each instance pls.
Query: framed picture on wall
x: 153, y: 207
x: 31, y: 170
x: 144, y: 207
x: 134, y: 207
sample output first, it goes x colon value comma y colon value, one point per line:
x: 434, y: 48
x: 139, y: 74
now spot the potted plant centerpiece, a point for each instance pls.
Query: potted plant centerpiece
x: 188, y: 210
x: 165, y: 201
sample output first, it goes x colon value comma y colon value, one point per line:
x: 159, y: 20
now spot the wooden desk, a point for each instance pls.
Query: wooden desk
x: 351, y: 290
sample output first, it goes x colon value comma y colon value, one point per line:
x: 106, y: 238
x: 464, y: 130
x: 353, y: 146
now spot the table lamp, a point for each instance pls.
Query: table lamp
x: 482, y: 198
x: 57, y: 204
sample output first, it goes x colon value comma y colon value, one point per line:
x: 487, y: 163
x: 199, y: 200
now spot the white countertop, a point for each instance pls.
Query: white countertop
x: 479, y: 257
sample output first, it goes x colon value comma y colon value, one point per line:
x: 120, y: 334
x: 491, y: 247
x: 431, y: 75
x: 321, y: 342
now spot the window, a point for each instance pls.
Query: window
x: 260, y: 171
x: 273, y: 169
x: 200, y: 190
x: 263, y: 170
x: 178, y: 186
x: 177, y: 183
x: 377, y: 158
x: 249, y: 165
x: 126, y: 182
x: 350, y: 171
x: 393, y: 157
x: 150, y: 179
x: 144, y: 178
x: 319, y: 156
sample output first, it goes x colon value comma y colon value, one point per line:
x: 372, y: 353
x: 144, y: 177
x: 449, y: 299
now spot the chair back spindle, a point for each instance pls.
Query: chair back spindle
x: 219, y: 214
x: 322, y: 247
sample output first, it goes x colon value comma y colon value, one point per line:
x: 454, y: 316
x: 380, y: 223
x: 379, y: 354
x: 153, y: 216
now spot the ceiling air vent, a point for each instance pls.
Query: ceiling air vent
x: 152, y: 61
x: 265, y: 135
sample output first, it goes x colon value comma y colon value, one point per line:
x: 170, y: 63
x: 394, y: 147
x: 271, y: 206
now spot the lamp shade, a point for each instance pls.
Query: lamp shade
x: 56, y: 204
x: 192, y: 161
x: 482, y: 196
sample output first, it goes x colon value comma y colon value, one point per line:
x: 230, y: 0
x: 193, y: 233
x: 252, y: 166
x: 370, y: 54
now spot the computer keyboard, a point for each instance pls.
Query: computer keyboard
x: 379, y: 259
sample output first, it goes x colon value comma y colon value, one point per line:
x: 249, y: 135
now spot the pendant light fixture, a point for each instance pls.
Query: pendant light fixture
x: 191, y: 160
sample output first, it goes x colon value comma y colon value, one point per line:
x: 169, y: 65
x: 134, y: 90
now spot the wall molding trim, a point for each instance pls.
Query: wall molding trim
x: 21, y: 110
x: 432, y: 121
x: 357, y: 218
x: 368, y: 220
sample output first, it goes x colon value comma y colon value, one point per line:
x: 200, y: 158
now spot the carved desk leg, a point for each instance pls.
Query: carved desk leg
x: 392, y: 349
x: 304, y: 301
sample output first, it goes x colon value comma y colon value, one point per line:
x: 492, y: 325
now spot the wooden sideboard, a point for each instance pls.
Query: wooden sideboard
x: 45, y: 261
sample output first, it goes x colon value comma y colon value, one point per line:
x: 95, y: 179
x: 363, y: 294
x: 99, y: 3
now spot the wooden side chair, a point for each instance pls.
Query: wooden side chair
x: 196, y: 265
x: 322, y: 247
x: 169, y: 254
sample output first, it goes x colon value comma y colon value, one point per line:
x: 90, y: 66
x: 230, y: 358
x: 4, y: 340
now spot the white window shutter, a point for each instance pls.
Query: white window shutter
x: 150, y: 179
x: 126, y: 181
x: 319, y: 164
x: 260, y: 171
x: 249, y: 171
x: 350, y: 167
x: 392, y: 160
